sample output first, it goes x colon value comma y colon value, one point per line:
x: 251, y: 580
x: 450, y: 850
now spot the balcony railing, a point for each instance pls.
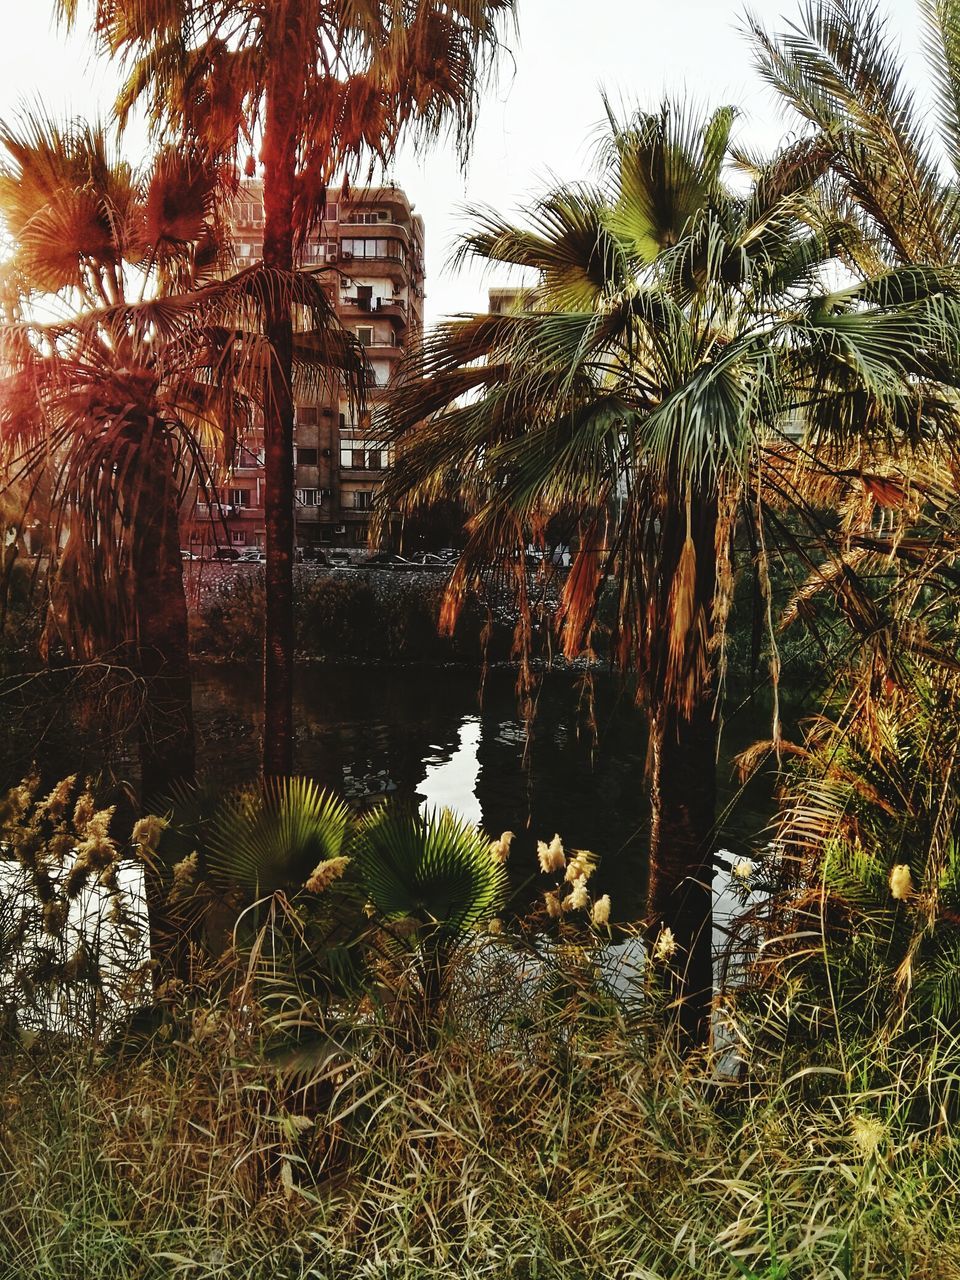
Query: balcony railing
x: 376, y: 306
x: 385, y: 227
x: 226, y: 511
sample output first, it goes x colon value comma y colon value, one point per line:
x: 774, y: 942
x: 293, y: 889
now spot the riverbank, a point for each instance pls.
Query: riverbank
x: 539, y: 1134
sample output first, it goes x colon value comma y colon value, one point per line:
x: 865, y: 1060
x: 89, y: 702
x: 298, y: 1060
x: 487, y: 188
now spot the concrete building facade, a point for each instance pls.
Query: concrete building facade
x: 370, y: 248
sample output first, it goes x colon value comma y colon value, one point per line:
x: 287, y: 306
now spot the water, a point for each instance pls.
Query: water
x: 425, y: 736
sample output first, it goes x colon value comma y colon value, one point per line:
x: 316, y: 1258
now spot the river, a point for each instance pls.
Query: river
x: 426, y: 736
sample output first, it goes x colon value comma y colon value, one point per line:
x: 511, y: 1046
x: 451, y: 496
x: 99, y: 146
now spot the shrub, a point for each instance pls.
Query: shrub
x: 357, y: 615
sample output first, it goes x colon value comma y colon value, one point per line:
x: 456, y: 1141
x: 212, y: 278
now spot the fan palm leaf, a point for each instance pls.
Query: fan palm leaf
x: 272, y: 838
x: 434, y: 869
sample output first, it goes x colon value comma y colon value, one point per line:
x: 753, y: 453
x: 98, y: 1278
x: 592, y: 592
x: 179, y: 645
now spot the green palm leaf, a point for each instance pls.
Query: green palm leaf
x: 436, y: 870
x: 273, y: 838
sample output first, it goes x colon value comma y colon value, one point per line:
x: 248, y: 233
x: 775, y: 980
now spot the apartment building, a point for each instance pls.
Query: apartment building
x: 505, y: 300
x: 369, y: 248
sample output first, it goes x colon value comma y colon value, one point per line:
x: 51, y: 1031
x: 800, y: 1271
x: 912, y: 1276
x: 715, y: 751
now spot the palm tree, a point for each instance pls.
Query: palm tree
x: 84, y: 402
x: 895, y: 167
x: 322, y: 83
x: 643, y: 384
x: 127, y: 361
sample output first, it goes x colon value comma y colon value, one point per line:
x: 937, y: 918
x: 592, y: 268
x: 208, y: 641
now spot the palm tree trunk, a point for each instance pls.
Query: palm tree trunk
x: 279, y: 157
x: 683, y: 760
x: 680, y: 889
x: 167, y: 742
x: 167, y: 745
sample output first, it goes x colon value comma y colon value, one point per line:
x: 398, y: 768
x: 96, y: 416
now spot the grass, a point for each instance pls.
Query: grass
x: 542, y: 1133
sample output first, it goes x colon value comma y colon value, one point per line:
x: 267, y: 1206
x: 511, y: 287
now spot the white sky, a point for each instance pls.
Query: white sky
x: 539, y: 120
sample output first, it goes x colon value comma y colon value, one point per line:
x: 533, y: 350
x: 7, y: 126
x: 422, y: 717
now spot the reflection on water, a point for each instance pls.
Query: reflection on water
x: 423, y: 736
x: 451, y: 780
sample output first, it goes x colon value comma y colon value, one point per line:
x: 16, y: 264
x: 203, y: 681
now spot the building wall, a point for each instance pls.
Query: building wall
x: 371, y: 248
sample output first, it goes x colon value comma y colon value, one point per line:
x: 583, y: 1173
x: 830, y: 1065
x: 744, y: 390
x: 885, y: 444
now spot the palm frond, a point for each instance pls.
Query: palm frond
x: 273, y: 838
x: 436, y: 870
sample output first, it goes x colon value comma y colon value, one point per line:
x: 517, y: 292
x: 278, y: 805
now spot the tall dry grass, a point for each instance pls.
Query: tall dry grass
x: 543, y: 1130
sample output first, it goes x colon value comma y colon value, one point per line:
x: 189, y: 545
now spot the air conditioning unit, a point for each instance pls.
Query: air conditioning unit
x: 346, y: 257
x: 341, y: 528
x: 326, y: 412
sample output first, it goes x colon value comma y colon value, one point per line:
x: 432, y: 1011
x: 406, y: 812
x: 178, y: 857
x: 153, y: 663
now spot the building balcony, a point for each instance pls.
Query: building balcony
x: 224, y: 511
x: 385, y: 268
x: 384, y: 350
x: 368, y: 475
x: 389, y: 308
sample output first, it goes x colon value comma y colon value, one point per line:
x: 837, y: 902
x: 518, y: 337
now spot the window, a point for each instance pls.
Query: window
x: 239, y: 536
x: 362, y: 500
x: 330, y: 211
x: 307, y: 497
x: 365, y: 335
x: 247, y: 457
x: 239, y: 497
x: 307, y: 457
x: 307, y: 415
x: 360, y: 455
x: 370, y: 248
x: 356, y: 218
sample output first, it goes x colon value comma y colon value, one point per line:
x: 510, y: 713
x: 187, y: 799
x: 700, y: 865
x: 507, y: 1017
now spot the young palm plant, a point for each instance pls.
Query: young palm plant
x: 300, y: 856
x: 864, y: 919
x: 673, y: 323
x: 322, y: 84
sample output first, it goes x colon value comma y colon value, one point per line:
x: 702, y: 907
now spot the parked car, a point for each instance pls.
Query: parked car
x: 253, y: 556
x: 339, y: 559
x: 431, y: 560
x: 388, y: 560
x: 225, y: 553
x: 312, y: 555
x: 185, y: 554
